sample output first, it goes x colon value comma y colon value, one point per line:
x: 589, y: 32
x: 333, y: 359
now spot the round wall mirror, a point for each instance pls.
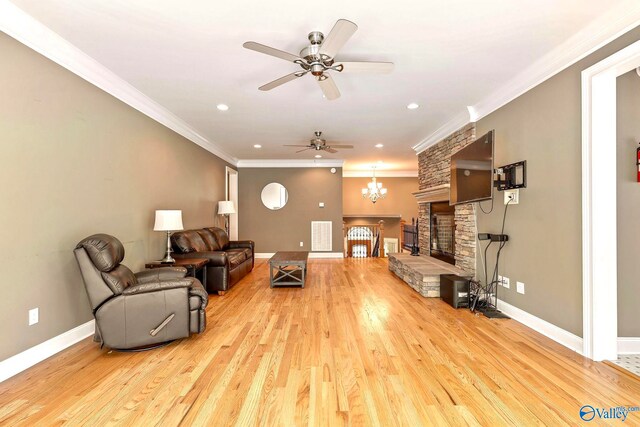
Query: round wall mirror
x: 274, y: 196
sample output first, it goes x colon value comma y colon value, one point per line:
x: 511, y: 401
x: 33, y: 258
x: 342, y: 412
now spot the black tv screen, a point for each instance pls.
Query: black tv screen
x: 472, y: 172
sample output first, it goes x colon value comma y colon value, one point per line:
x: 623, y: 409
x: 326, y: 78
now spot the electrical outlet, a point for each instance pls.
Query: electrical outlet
x: 506, y: 282
x: 500, y: 280
x: 321, y: 205
x: 301, y: 244
x: 513, y: 195
x: 33, y: 316
x: 520, y: 287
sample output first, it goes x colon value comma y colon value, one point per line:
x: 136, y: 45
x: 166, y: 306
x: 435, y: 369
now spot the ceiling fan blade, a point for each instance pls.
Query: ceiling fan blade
x: 330, y: 150
x: 366, y: 67
x: 281, y: 81
x: 300, y: 151
x: 271, y: 51
x: 338, y: 36
x: 340, y: 146
x: 289, y: 145
x: 329, y: 88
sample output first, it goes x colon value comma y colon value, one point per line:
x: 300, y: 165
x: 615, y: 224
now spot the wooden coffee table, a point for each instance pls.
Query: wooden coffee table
x: 288, y: 268
x: 193, y: 265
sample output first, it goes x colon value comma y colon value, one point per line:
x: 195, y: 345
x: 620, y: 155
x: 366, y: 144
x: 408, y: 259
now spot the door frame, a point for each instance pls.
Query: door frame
x: 599, y: 240
x: 231, y: 193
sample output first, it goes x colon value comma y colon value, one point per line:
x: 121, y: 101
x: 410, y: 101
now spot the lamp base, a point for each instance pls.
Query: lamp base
x: 168, y: 259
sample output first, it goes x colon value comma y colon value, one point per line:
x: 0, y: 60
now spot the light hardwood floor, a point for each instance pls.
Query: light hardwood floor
x: 356, y: 346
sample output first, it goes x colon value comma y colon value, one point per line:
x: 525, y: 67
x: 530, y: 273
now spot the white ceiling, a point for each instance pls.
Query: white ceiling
x: 188, y: 57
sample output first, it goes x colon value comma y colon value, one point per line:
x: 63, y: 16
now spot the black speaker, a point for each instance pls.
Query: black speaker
x: 454, y: 290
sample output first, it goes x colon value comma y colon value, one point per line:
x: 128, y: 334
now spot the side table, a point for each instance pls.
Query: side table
x: 193, y: 266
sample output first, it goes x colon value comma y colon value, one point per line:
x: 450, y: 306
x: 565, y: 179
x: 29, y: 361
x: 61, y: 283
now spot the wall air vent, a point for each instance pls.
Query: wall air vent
x: 321, y: 236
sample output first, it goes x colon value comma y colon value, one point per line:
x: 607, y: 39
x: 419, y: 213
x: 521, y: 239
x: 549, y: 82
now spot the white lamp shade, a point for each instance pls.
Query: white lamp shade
x: 226, y: 207
x: 168, y: 220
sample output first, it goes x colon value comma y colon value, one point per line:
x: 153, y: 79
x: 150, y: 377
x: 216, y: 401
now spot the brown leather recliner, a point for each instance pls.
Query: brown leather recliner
x: 229, y: 261
x: 142, y: 309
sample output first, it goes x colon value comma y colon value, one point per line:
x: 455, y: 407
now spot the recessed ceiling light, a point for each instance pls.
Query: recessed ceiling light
x: 379, y: 145
x: 257, y: 146
x: 222, y: 107
x: 412, y: 106
x: 318, y: 156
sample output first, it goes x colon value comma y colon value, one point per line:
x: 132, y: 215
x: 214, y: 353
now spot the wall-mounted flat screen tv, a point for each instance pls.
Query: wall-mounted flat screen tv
x: 472, y: 172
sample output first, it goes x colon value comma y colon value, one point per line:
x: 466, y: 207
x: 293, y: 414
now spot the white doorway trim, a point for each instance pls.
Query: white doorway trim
x: 599, y: 258
x: 231, y: 193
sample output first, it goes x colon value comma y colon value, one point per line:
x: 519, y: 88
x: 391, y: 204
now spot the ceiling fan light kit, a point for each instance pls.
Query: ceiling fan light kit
x: 318, y: 58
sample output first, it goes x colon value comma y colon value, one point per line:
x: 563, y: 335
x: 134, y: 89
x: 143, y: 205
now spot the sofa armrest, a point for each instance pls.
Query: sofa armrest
x: 248, y: 244
x: 161, y: 274
x: 198, y: 290
x: 147, y: 287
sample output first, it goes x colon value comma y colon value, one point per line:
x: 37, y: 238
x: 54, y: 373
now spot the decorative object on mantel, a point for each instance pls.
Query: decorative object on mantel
x: 374, y: 190
x: 168, y: 220
x: 226, y: 208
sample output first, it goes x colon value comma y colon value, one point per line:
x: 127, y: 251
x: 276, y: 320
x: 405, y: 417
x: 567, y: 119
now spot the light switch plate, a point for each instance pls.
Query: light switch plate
x: 33, y: 316
x: 321, y: 204
x: 301, y: 244
x: 520, y: 287
x: 500, y: 280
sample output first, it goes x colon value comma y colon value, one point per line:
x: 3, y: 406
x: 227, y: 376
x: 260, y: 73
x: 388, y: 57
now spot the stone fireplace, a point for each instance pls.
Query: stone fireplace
x: 445, y: 232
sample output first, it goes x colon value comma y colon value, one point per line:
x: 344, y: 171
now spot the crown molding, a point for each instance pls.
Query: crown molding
x: 379, y: 174
x: 597, y: 34
x: 289, y: 163
x: 30, y: 32
x: 456, y: 123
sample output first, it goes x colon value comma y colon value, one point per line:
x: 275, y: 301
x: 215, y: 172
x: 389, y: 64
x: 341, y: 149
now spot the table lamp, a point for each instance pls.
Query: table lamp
x: 168, y: 220
x: 225, y: 207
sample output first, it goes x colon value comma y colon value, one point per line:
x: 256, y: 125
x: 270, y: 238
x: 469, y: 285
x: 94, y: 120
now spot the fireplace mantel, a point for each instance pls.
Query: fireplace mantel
x: 438, y: 193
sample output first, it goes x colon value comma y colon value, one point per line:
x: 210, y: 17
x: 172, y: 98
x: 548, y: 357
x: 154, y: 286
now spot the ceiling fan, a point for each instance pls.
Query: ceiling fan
x: 319, y: 144
x: 319, y: 57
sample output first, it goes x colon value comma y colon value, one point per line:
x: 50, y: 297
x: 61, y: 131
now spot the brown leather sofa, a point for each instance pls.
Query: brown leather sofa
x: 229, y: 261
x: 142, y: 309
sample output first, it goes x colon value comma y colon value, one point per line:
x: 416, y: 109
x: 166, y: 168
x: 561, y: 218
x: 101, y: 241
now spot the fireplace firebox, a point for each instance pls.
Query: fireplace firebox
x: 443, y: 230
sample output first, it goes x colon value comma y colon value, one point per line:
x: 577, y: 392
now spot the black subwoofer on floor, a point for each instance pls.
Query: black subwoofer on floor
x: 454, y: 290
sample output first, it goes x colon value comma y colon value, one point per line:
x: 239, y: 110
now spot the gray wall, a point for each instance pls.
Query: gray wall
x: 543, y: 126
x: 628, y: 129
x: 76, y: 161
x: 284, y: 229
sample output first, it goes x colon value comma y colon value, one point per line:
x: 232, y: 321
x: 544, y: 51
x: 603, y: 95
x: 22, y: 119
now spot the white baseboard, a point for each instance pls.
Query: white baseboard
x: 547, y: 329
x: 311, y: 254
x: 326, y: 255
x: 22, y: 361
x: 628, y: 345
x: 264, y: 254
